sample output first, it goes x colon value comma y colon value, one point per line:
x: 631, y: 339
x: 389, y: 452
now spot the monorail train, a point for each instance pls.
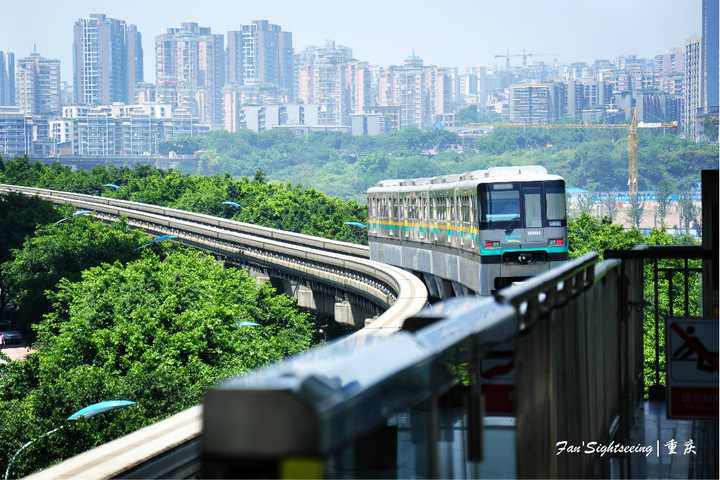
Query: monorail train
x: 472, y: 233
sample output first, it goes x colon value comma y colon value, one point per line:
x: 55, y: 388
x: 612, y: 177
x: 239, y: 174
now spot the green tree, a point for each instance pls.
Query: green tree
x: 662, y: 196
x: 588, y: 234
x: 611, y: 206
x: 688, y: 211
x: 635, y: 210
x: 19, y: 216
x: 63, y: 251
x: 156, y: 330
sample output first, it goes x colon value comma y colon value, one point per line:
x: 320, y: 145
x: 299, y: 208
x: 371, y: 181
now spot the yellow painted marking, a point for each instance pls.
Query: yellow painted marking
x: 301, y: 467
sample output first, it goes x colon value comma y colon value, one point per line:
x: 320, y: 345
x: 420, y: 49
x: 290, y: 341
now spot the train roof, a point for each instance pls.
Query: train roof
x: 531, y: 173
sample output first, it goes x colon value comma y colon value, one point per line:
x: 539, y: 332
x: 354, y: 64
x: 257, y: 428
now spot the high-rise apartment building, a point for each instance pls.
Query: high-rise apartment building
x: 438, y: 86
x: 412, y: 94
x: 107, y: 60
x: 585, y: 99
x: 655, y: 106
x: 710, y: 54
x: 7, y: 78
x: 190, y: 71
x: 358, y: 84
x: 38, y: 85
x: 261, y: 53
x: 670, y: 72
x: 693, y: 102
x: 536, y: 103
x: 326, y: 77
x: 412, y: 88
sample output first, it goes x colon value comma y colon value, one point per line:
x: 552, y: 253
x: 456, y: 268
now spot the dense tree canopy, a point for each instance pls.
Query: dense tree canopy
x: 272, y: 204
x: 63, y: 250
x: 19, y: 216
x: 158, y: 330
x: 345, y: 166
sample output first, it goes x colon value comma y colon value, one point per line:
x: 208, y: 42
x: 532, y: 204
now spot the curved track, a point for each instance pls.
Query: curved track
x: 343, y: 265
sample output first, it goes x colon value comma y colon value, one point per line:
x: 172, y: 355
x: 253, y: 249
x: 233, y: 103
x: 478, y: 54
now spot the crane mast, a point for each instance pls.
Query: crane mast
x: 632, y: 155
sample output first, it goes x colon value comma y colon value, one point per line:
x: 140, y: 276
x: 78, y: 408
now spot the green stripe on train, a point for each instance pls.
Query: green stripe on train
x: 500, y: 251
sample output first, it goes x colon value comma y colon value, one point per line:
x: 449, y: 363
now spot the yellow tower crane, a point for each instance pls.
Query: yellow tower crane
x: 632, y: 141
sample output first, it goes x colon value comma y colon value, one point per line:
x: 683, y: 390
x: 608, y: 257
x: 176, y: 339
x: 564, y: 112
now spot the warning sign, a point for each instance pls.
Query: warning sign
x: 497, y: 377
x: 692, y: 368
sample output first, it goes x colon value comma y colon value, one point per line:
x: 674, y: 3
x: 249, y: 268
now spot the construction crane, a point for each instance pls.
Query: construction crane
x: 632, y: 140
x: 524, y: 56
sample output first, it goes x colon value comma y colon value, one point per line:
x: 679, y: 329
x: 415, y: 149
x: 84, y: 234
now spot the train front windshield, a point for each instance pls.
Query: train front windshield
x: 522, y: 205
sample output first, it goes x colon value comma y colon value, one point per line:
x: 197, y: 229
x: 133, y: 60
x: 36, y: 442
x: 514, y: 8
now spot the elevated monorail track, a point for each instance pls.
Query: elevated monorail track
x: 341, y: 265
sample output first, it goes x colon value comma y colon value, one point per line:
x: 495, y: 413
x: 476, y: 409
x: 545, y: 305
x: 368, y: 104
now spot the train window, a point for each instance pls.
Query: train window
x: 555, y: 203
x: 465, y: 205
x: 503, y: 205
x: 533, y: 207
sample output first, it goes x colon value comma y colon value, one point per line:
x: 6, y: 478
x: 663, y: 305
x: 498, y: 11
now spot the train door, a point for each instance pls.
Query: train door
x: 434, y: 217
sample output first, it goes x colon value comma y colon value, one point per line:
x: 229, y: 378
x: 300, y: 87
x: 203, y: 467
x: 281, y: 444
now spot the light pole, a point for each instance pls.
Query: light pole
x: 157, y: 239
x: 87, y: 412
x: 111, y: 185
x: 229, y: 207
x: 76, y: 213
x: 357, y: 225
x: 246, y: 324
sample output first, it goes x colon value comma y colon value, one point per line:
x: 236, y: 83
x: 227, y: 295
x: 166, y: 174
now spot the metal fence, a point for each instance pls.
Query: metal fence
x: 665, y: 282
x: 411, y: 405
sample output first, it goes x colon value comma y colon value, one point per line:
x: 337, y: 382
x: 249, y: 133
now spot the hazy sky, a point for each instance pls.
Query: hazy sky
x: 442, y: 32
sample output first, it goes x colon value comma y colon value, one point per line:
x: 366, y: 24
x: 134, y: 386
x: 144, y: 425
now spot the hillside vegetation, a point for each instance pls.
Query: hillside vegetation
x: 345, y: 166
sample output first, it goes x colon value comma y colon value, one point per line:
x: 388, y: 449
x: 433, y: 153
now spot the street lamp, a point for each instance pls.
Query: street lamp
x: 112, y: 185
x: 247, y: 324
x: 356, y: 224
x: 230, y: 203
x: 87, y: 412
x: 76, y: 213
x: 157, y: 239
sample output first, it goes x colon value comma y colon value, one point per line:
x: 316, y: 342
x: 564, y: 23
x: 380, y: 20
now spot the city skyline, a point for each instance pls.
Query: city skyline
x: 665, y: 25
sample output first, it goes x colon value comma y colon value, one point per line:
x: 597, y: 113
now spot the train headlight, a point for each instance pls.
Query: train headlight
x: 557, y: 242
x: 490, y: 244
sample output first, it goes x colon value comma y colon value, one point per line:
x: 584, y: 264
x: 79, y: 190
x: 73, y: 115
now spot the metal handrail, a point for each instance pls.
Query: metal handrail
x: 314, y: 404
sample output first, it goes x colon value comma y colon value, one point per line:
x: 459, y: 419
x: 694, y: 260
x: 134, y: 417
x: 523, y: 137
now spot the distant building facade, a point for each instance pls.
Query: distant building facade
x: 7, y: 78
x: 694, y: 102
x: 261, y: 53
x: 21, y: 133
x: 536, y: 103
x: 260, y: 118
x: 710, y: 54
x: 654, y: 106
x: 370, y: 124
x: 190, y: 71
x: 38, y: 85
x: 325, y: 77
x: 119, y: 129
x: 107, y: 60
